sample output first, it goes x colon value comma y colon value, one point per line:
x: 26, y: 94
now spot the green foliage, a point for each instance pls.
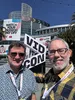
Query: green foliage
x: 68, y: 36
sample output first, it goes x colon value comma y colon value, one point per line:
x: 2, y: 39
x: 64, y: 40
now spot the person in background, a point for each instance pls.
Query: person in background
x: 60, y: 79
x: 2, y: 33
x: 16, y: 81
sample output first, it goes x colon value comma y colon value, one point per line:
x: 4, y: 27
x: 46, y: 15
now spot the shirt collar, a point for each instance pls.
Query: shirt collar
x: 65, y: 71
x: 8, y: 68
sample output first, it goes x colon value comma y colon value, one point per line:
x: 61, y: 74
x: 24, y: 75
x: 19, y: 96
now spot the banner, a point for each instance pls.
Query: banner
x: 13, y: 29
x: 35, y: 60
x: 34, y: 44
x: 44, y: 39
x: 38, y: 48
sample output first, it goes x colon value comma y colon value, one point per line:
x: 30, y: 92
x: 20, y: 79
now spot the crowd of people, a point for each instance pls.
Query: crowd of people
x: 19, y: 83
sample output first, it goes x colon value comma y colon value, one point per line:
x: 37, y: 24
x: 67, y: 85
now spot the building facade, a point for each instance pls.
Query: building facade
x: 26, y: 11
x: 29, y: 25
x: 52, y: 29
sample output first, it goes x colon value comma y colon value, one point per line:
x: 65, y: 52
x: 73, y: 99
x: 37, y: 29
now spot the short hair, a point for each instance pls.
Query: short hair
x: 17, y: 44
x: 66, y: 44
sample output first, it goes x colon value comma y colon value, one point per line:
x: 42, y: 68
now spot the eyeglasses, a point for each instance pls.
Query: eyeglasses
x: 14, y: 54
x: 60, y: 51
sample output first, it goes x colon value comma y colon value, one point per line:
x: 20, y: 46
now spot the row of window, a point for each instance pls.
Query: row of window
x: 51, y: 30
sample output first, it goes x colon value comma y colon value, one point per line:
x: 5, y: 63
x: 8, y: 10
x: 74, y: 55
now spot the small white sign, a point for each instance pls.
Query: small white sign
x: 13, y: 29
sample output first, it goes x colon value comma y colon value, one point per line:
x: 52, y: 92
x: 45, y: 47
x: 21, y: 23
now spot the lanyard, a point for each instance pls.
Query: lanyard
x: 46, y: 92
x: 14, y: 83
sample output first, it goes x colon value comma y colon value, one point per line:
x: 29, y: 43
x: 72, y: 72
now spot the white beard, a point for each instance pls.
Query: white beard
x: 59, y: 68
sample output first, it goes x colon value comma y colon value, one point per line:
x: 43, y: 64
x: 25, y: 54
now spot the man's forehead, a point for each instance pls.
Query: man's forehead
x: 58, y: 43
x: 17, y: 48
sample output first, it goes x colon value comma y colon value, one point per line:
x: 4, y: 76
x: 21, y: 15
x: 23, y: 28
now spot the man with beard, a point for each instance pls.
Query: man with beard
x: 60, y: 80
x: 16, y: 81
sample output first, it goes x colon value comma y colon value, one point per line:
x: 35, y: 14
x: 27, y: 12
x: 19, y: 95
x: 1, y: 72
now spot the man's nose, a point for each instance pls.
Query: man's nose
x: 17, y: 56
x: 56, y: 53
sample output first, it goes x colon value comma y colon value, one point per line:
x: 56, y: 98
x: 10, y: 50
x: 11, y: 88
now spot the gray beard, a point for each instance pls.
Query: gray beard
x: 59, y: 68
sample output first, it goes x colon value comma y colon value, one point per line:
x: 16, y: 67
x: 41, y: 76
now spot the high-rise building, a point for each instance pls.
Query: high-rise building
x: 15, y: 15
x: 26, y: 11
x: 29, y: 24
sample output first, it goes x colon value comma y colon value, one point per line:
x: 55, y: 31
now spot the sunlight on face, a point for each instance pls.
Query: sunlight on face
x: 61, y: 66
x: 59, y: 61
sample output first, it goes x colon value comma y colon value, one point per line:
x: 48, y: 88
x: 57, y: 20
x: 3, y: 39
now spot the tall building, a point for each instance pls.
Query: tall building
x: 29, y: 25
x: 15, y: 15
x: 26, y: 11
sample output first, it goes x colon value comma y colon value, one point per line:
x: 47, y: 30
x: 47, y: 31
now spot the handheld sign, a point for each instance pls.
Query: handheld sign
x: 34, y: 44
x: 37, y: 47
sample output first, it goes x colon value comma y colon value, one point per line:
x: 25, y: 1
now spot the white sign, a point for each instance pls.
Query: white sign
x: 13, y: 29
x: 44, y: 40
x: 39, y: 48
x: 34, y: 44
x: 35, y: 60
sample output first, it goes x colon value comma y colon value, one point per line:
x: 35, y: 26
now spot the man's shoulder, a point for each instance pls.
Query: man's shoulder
x: 4, y: 67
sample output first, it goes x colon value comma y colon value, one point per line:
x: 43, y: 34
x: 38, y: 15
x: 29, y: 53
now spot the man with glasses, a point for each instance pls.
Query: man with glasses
x: 16, y: 81
x: 60, y: 80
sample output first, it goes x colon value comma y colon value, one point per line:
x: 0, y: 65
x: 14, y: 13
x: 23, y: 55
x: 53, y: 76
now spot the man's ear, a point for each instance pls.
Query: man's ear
x: 70, y: 52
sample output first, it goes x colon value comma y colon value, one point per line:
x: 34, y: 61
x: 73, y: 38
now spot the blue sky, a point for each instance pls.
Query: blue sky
x: 55, y: 12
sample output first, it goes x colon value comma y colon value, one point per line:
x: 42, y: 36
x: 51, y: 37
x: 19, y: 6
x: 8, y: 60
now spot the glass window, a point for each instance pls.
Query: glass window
x: 67, y: 28
x: 59, y: 29
x: 55, y: 29
x: 51, y: 30
x: 47, y: 30
x: 63, y: 29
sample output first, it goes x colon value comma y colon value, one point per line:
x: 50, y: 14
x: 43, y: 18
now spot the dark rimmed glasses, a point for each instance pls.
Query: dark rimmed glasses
x: 60, y: 51
x: 14, y: 54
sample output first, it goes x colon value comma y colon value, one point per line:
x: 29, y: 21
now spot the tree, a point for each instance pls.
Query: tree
x: 69, y: 36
